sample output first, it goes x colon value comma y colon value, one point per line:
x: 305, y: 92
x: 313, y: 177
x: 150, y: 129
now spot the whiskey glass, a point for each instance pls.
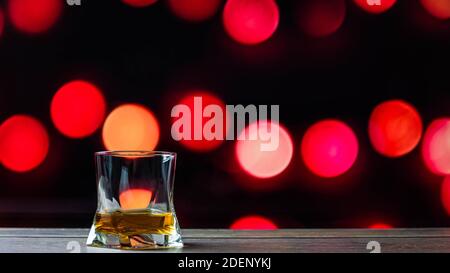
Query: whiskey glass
x: 135, y: 207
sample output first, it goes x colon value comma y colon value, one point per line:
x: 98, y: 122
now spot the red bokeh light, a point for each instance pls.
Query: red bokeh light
x: 395, y: 128
x: 202, y: 145
x: 436, y: 146
x: 329, y: 148
x: 253, y: 222
x: 445, y: 194
x: 2, y: 22
x: 380, y: 226
x: 260, y: 163
x: 250, y: 21
x: 320, y: 18
x: 139, y: 3
x: 375, y: 6
x: 24, y: 143
x: 130, y: 127
x: 34, y: 16
x: 78, y: 109
x: 437, y: 8
x: 194, y: 10
x: 135, y: 198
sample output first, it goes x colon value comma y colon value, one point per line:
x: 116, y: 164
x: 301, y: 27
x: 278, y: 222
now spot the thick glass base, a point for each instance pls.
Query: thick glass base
x: 135, y: 242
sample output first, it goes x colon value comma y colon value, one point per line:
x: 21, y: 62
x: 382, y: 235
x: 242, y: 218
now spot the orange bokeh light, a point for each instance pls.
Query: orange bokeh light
x: 139, y: 3
x: 395, y: 128
x: 250, y: 21
x: 194, y: 10
x: 329, y: 148
x: 260, y: 163
x: 445, y: 194
x: 253, y: 222
x: 34, y: 16
x: 135, y: 198
x: 375, y: 6
x: 440, y: 9
x: 24, y: 143
x: 78, y: 109
x: 436, y: 146
x: 320, y: 18
x: 130, y: 127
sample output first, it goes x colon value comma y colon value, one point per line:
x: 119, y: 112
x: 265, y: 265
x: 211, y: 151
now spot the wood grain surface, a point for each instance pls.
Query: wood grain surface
x: 228, y: 241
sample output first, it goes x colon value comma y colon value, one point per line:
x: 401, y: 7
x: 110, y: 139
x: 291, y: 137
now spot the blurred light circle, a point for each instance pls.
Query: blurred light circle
x: 437, y: 8
x: 135, y: 198
x: 207, y: 99
x: 445, y: 194
x: 260, y: 163
x: 34, y: 16
x: 319, y: 18
x: 194, y: 10
x: 250, y: 21
x: 375, y: 6
x: 395, y: 128
x: 329, y: 148
x: 2, y: 22
x: 139, y: 3
x: 130, y: 127
x: 380, y: 226
x: 253, y: 222
x: 24, y: 143
x: 78, y: 109
x: 436, y: 146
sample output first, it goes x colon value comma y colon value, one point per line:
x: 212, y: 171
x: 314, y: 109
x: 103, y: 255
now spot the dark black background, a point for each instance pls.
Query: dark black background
x: 148, y: 56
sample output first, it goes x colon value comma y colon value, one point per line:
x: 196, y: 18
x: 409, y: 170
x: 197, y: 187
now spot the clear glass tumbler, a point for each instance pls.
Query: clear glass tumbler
x: 135, y: 201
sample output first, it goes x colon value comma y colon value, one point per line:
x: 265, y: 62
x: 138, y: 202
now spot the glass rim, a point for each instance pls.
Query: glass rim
x: 135, y: 153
